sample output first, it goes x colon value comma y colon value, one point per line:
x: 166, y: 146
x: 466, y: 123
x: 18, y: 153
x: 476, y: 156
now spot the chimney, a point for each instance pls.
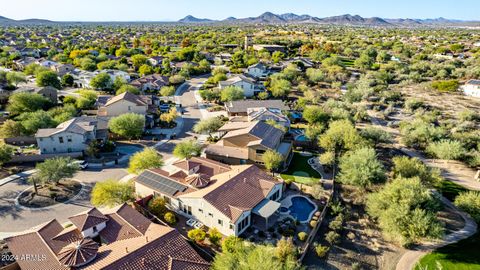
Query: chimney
x: 146, y: 239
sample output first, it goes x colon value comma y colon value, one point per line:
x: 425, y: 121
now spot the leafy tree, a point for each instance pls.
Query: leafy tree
x: 313, y: 132
x: 11, y: 129
x: 48, y: 78
x: 446, y: 149
x: 128, y: 88
x: 145, y: 70
x: 246, y: 257
x: 102, y: 81
x: 285, y: 249
x: 469, y: 202
x: 231, y: 244
x: 176, y: 79
x: 56, y: 169
x: 214, y: 236
x: 315, y: 115
x: 15, y: 78
x: 167, y: 91
x: 197, y: 235
x: 376, y: 135
x: 149, y: 158
x: 332, y: 237
x: 419, y: 133
x: 315, y: 75
x: 187, y: 149
x: 361, y: 168
x: 111, y: 193
x: 170, y: 116
x: 277, y: 56
x: 129, y: 125
x: 280, y: 87
x: 405, y: 210
x: 341, y: 135
x: 67, y: 80
x: 33, y: 121
x: 209, y: 126
x: 272, y: 160
x: 6, y: 153
x: 26, y: 102
x: 62, y: 114
x: 157, y: 206
x: 321, y: 251
x: 118, y: 82
x: 406, y: 167
x: 138, y: 60
x: 446, y: 86
x: 231, y: 93
x: 170, y: 218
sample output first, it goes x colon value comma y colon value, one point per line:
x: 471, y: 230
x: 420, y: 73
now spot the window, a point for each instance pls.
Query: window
x: 69, y: 138
x: 41, y: 139
x: 94, y: 229
x: 186, y: 209
x: 231, y: 227
x: 129, y: 108
x: 220, y: 222
x: 54, y: 149
x: 60, y: 139
x: 210, y: 214
x: 243, y: 224
x: 167, y: 200
x: 260, y: 151
x: 275, y: 195
x: 200, y: 210
x: 69, y: 150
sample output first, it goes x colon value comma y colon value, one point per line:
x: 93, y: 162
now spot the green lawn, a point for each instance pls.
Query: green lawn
x: 450, y: 189
x: 299, y: 171
x: 464, y: 255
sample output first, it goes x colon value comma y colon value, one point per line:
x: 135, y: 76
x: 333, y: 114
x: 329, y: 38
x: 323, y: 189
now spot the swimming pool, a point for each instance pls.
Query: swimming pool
x: 301, y: 138
x: 299, y: 207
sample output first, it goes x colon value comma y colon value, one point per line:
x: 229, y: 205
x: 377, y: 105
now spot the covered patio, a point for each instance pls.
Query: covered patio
x: 264, y: 214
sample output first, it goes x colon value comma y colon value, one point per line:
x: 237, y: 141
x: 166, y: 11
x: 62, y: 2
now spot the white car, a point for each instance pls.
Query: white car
x: 81, y: 163
x: 191, y: 222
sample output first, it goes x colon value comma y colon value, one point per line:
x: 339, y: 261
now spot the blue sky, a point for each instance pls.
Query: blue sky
x: 169, y: 10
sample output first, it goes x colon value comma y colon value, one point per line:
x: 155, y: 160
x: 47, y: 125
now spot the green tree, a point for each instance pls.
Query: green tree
x: 129, y: 125
x: 272, y: 160
x: 26, y: 102
x: 54, y: 170
x: 149, y: 158
x: 197, y: 235
x: 315, y: 115
x: 128, y: 88
x: 33, y: 121
x: 111, y: 193
x: 285, y: 249
x: 157, y: 206
x: 145, y: 70
x: 15, y: 78
x: 376, y: 135
x: 446, y: 149
x: 167, y: 91
x: 341, y: 135
x: 187, y: 149
x: 102, y: 81
x: 231, y: 93
x: 138, y: 60
x: 405, y: 210
x: 208, y: 126
x: 280, y: 87
x: 6, y: 153
x: 214, y: 236
x: 48, y: 78
x: 11, y: 129
x: 361, y: 168
x: 407, y: 167
x: 67, y: 80
x: 231, y: 244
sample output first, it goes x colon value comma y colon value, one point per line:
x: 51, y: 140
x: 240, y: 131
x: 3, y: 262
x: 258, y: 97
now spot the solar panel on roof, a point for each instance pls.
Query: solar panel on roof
x: 160, y: 183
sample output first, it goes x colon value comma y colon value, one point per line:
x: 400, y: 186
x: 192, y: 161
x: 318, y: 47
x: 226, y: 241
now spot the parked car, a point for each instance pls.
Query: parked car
x: 81, y: 163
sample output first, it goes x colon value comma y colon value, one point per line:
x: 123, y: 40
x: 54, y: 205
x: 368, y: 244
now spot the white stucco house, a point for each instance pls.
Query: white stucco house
x: 229, y: 198
x: 249, y: 85
x: 472, y: 88
x: 71, y: 136
x: 122, y: 104
x: 259, y: 71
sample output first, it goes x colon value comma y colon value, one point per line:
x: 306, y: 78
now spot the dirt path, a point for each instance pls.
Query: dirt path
x: 410, y: 258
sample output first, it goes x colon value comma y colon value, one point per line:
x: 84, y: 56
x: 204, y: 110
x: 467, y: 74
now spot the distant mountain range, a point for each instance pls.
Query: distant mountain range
x: 347, y: 19
x: 287, y: 18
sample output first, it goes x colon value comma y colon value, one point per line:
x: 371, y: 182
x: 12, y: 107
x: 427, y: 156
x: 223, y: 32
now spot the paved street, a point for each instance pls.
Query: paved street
x: 15, y: 219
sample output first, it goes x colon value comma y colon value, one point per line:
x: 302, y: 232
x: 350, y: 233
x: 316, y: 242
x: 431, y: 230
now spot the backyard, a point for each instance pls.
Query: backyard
x: 300, y: 171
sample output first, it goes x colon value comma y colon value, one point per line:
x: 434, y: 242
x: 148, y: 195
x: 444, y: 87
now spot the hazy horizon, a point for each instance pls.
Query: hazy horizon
x: 163, y: 10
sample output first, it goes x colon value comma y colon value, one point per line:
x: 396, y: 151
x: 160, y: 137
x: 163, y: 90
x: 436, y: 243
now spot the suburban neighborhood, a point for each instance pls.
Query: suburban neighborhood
x: 281, y: 141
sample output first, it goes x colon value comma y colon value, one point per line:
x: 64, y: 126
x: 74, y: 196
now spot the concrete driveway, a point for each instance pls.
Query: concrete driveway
x: 16, y: 219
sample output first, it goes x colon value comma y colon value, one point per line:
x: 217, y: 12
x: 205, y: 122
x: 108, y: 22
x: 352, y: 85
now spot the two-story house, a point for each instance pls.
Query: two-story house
x: 122, y: 104
x: 247, y: 84
x: 258, y: 71
x: 246, y: 144
x: 71, y: 136
x: 229, y: 198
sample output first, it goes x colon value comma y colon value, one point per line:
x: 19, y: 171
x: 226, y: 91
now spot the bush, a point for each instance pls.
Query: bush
x: 332, y: 237
x: 321, y: 250
x: 302, y: 236
x: 231, y: 243
x: 214, y: 236
x: 313, y: 223
x: 470, y: 203
x: 170, y: 218
x: 157, y: 206
x: 197, y: 235
x: 445, y: 86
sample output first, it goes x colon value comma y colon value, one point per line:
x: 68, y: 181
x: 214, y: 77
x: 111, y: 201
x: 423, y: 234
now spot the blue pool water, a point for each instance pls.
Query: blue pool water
x: 301, y: 208
x: 301, y: 138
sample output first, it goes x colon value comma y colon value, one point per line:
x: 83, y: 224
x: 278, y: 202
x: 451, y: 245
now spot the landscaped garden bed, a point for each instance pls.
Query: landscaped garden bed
x: 48, y: 195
